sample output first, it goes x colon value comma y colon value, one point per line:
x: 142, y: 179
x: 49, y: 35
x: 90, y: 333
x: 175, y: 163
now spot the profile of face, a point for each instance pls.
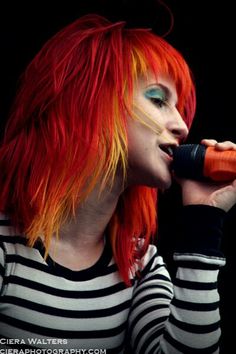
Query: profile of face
x: 149, y: 150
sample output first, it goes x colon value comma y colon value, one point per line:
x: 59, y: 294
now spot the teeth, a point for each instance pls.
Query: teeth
x: 170, y: 151
x: 167, y: 149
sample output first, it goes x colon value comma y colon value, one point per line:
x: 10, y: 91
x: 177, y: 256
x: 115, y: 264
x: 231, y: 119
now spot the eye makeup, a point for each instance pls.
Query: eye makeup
x: 156, y: 92
x: 156, y: 95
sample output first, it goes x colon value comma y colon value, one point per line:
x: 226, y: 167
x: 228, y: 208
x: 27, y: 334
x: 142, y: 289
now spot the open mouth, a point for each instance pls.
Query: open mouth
x: 168, y: 149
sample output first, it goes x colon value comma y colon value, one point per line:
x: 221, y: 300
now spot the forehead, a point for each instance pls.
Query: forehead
x: 152, y: 80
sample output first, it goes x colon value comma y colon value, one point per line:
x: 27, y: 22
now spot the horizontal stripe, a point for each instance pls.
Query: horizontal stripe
x: 57, y: 333
x: 190, y: 350
x: 195, y: 285
x: 66, y: 323
x: 196, y: 265
x: 13, y: 239
x: 194, y: 328
x: 150, y: 297
x: 192, y: 306
x: 156, y: 277
x: 196, y: 257
x: 65, y: 293
x: 50, y: 310
x: 198, y: 275
x: 148, y: 287
x: 32, y: 264
x: 196, y: 296
x: 71, y: 275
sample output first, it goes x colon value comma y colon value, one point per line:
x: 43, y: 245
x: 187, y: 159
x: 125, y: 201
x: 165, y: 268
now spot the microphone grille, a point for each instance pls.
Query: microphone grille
x: 188, y: 161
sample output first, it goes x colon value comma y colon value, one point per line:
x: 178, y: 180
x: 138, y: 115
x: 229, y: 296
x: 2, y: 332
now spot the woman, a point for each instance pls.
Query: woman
x: 88, y: 143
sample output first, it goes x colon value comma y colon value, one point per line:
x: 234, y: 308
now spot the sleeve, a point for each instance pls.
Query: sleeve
x: 187, y: 320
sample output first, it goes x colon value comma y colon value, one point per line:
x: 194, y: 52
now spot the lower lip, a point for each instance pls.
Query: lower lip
x: 168, y: 157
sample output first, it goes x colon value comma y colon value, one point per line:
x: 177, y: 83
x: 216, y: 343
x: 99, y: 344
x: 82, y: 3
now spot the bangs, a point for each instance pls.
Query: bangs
x: 151, y: 53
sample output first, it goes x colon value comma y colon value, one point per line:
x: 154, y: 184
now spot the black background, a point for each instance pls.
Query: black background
x: 203, y: 31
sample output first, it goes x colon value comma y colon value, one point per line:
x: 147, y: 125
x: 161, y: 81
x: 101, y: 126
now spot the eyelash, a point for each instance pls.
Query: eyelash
x: 159, y: 102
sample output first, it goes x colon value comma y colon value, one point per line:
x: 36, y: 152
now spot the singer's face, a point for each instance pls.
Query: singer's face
x: 149, y: 158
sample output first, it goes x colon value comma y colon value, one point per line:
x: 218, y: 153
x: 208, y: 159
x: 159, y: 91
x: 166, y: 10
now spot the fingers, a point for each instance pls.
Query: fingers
x: 209, y: 142
x: 225, y: 145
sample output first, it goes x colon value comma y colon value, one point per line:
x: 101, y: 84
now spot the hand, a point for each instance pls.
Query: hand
x: 221, y: 195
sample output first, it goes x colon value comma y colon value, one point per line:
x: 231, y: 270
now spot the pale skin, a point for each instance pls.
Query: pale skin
x: 81, y: 241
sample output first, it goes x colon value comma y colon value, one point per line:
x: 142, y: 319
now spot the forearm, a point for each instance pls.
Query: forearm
x: 192, y: 323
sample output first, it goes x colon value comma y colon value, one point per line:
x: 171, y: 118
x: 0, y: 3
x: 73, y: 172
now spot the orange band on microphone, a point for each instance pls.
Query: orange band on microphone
x: 220, y: 165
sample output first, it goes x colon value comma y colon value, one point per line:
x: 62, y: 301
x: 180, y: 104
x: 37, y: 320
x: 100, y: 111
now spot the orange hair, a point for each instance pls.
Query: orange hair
x: 67, y: 130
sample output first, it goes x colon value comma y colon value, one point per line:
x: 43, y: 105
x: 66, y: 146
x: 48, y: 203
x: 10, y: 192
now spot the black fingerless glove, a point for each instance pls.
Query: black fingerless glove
x: 201, y: 230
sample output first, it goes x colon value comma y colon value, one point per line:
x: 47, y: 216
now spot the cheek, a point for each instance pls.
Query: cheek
x: 142, y: 147
x: 140, y: 138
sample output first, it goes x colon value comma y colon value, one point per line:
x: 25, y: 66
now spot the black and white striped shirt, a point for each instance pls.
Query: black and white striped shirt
x: 45, y: 305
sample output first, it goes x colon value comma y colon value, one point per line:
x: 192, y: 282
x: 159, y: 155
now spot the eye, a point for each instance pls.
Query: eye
x: 158, y: 101
x: 157, y: 96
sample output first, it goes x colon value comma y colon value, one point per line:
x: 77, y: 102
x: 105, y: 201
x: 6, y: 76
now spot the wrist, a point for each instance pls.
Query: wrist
x: 201, y: 229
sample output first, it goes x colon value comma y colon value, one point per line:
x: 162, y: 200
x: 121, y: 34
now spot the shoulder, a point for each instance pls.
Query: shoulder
x: 12, y: 243
x: 152, y: 275
x: 151, y: 256
x: 8, y: 234
x: 151, y: 263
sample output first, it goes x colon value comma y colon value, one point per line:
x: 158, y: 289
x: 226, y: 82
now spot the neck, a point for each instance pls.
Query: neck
x: 92, y: 216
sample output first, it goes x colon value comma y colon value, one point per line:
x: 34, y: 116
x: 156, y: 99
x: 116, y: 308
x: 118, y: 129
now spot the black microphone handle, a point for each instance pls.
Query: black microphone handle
x: 188, y: 161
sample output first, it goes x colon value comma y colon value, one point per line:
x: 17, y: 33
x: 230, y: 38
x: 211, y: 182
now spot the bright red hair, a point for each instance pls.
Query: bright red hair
x: 67, y: 130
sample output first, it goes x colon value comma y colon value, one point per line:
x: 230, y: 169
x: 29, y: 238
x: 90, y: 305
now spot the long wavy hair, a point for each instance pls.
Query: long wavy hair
x: 67, y: 131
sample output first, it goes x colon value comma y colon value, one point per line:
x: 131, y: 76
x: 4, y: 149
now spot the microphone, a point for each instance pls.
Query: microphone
x: 199, y: 162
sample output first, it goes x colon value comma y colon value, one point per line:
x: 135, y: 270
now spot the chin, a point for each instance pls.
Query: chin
x: 160, y: 183
x: 150, y: 178
x: 165, y: 184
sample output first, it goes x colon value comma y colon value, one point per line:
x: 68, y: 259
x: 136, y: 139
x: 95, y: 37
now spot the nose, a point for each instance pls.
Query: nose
x: 177, y: 126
